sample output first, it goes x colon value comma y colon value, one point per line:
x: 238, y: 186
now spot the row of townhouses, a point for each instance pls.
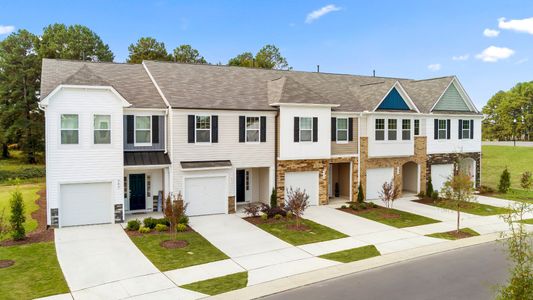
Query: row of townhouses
x: 120, y: 137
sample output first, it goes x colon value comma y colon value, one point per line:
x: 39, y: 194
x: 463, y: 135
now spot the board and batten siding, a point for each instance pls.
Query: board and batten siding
x: 451, y: 100
x: 84, y: 162
x: 155, y: 146
x: 241, y: 155
x: 346, y: 148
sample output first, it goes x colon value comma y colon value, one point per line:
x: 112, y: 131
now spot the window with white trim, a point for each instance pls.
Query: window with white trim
x: 69, y: 129
x: 380, y: 130
x: 143, y: 130
x: 203, y: 129
x: 306, y: 129
x: 392, y: 128
x: 342, y: 129
x: 417, y: 127
x: 443, y: 129
x: 102, y: 129
x: 466, y: 129
x: 406, y: 129
x: 252, y: 129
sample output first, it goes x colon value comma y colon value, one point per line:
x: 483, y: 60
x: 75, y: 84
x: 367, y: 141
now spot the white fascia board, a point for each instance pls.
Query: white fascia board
x: 156, y: 85
x: 46, y: 101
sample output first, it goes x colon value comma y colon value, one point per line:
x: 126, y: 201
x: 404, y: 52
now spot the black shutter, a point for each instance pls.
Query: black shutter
x: 155, y: 129
x: 350, y: 129
x: 448, y: 123
x: 460, y: 132
x: 315, y: 129
x: 436, y: 129
x: 263, y: 129
x: 214, y: 129
x: 242, y: 131
x: 472, y: 129
x: 296, y: 129
x: 333, y: 129
x: 190, y: 128
x: 130, y: 129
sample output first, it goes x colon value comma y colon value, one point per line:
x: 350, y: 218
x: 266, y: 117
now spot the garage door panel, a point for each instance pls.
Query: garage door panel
x: 85, y: 204
x: 375, y: 179
x: 307, y: 181
x: 206, y: 195
x: 440, y: 174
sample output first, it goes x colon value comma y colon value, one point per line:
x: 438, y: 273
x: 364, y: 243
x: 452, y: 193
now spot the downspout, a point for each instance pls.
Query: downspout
x: 359, y: 150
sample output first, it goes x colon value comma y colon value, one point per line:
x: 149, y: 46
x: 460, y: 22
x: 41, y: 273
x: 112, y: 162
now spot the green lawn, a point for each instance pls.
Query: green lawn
x: 199, y: 251
x: 448, y: 236
x: 528, y: 221
x: 316, y: 233
x: 219, y: 285
x: 36, y: 272
x: 516, y: 159
x: 29, y: 194
x: 15, y: 167
x: 516, y: 195
x: 471, y: 208
x: 354, y: 254
x: 394, y: 217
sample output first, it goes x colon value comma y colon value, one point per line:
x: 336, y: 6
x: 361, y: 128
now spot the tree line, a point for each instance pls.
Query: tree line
x: 509, y: 114
x: 21, y: 53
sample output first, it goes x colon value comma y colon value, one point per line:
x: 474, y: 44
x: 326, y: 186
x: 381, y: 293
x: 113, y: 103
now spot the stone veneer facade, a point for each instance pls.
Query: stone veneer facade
x: 419, y: 157
x: 453, y: 158
x: 231, y: 205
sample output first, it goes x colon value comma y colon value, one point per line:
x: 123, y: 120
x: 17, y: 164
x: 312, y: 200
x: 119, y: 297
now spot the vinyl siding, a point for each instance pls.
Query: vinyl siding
x: 451, y: 100
x: 157, y: 146
x: 349, y: 148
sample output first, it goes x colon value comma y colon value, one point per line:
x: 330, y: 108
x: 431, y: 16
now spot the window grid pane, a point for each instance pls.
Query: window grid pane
x: 142, y: 136
x: 342, y: 124
x: 102, y: 122
x: 69, y: 136
x: 203, y: 122
x: 203, y: 136
x: 305, y: 135
x: 142, y: 122
x: 406, y: 124
x: 252, y: 123
x: 102, y: 137
x: 69, y: 121
x: 417, y: 127
x: 380, y: 123
x: 306, y: 123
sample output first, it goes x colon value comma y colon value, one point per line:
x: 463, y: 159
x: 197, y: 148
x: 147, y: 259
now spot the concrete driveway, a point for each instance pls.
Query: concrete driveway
x: 101, y: 262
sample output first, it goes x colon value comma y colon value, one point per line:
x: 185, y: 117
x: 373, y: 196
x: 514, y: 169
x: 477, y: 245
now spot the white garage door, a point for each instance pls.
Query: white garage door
x: 375, y: 179
x: 206, y: 195
x: 85, y: 203
x: 440, y: 174
x: 307, y: 181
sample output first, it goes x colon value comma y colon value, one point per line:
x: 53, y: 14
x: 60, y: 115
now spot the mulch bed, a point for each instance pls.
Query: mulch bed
x: 290, y: 226
x: 137, y: 233
x: 460, y: 234
x: 173, y: 244
x: 6, y: 263
x: 383, y: 212
x: 41, y: 233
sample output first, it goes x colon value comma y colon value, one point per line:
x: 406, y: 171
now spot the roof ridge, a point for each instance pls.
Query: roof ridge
x: 435, y: 78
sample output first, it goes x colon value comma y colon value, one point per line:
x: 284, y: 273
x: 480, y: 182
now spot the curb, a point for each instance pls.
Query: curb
x: 300, y: 280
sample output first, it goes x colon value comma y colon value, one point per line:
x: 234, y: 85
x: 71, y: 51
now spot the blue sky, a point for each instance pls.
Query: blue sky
x: 408, y: 39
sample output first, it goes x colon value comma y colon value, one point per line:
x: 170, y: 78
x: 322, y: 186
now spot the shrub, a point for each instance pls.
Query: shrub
x: 429, y: 188
x: 505, y: 181
x: 344, y: 207
x: 273, y: 198
x: 526, y: 180
x: 421, y: 195
x: 483, y: 189
x: 362, y: 205
x: 17, y: 218
x: 373, y: 205
x: 144, y: 230
x: 181, y: 227
x: 264, y: 217
x: 184, y: 220
x: 278, y: 217
x: 360, y: 194
x: 22, y: 173
x: 289, y: 215
x: 4, y: 226
x: 252, y: 209
x: 270, y: 212
x: 435, y: 195
x: 133, y: 225
x: 150, y: 222
x: 297, y: 203
x: 161, y: 227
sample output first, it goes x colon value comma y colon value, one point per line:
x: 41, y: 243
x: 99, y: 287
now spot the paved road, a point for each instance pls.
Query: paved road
x: 468, y: 273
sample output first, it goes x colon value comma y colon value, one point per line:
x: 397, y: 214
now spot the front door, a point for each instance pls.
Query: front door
x: 137, y: 192
x: 240, y: 186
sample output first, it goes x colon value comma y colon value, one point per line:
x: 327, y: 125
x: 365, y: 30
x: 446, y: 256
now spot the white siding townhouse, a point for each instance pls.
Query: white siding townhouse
x: 121, y: 137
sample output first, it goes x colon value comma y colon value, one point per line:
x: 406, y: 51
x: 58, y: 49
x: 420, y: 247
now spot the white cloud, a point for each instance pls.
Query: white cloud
x: 522, y: 25
x: 521, y: 61
x: 461, y: 57
x: 7, y: 29
x: 491, y: 32
x: 493, y: 54
x: 434, y: 67
x: 316, y: 14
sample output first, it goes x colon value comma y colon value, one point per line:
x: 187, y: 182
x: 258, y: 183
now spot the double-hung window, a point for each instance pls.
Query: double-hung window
x: 69, y: 129
x: 306, y: 129
x: 443, y: 129
x: 252, y: 129
x: 392, y: 128
x: 143, y: 130
x: 102, y: 129
x: 465, y: 129
x: 417, y: 127
x: 342, y: 129
x: 203, y: 129
x: 380, y: 129
x: 406, y: 129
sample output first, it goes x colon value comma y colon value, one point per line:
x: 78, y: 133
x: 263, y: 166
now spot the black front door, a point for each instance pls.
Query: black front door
x: 137, y: 192
x: 240, y: 186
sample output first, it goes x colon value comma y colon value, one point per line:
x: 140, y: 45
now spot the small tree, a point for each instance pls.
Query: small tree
x: 429, y: 188
x: 297, y: 202
x: 17, y: 218
x: 4, y: 226
x: 526, y: 180
x: 174, y: 211
x: 459, y: 190
x: 360, y: 195
x: 519, y: 243
x: 389, y: 192
x: 505, y: 181
x: 273, y: 198
x: 252, y: 209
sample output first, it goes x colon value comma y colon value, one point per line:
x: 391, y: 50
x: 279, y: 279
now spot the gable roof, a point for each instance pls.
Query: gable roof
x: 393, y: 101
